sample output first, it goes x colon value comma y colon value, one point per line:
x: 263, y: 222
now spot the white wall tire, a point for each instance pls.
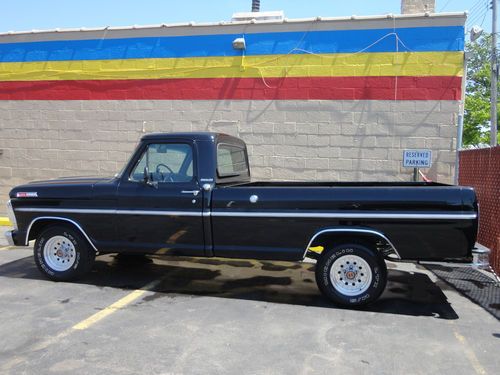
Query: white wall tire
x: 351, y: 274
x: 61, y: 253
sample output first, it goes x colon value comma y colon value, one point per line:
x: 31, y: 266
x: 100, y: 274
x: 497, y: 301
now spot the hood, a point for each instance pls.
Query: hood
x: 78, y: 180
x: 65, y: 187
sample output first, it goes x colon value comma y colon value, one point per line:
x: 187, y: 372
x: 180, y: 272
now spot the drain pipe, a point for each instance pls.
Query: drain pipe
x: 460, y: 122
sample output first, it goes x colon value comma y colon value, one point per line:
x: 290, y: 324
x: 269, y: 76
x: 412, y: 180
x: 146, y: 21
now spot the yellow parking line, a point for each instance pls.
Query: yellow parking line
x: 7, y: 248
x: 471, y: 356
x: 121, y: 303
x: 4, y: 221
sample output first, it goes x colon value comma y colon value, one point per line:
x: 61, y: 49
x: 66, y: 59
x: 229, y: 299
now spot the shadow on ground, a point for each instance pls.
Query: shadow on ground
x: 407, y: 293
x: 472, y: 283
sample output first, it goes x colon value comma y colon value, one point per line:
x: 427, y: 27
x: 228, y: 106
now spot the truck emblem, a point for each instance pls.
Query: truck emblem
x: 27, y: 194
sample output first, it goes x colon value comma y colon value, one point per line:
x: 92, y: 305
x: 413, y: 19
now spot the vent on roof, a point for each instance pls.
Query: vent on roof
x: 259, y: 16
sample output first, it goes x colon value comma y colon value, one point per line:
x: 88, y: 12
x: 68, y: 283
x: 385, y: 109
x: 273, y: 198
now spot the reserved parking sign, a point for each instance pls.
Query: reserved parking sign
x: 417, y: 158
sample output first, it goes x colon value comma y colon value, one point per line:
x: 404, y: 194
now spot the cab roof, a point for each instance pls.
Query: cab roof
x: 195, y: 136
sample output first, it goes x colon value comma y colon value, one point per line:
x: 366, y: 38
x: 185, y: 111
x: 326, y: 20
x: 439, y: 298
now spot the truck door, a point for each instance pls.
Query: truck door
x: 160, y: 202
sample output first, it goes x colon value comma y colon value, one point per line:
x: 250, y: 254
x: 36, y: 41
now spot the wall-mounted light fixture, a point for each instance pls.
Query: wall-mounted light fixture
x: 239, y: 43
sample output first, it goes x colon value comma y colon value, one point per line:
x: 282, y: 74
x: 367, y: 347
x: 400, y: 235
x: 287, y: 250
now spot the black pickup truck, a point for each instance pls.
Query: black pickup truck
x: 191, y: 194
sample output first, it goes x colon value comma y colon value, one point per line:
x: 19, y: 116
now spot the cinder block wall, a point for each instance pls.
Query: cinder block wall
x: 297, y: 127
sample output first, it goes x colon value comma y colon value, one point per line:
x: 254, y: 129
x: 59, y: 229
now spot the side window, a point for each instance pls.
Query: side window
x: 166, y: 162
x: 231, y: 161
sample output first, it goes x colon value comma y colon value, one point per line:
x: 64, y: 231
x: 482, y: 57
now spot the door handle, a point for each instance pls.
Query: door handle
x: 194, y: 192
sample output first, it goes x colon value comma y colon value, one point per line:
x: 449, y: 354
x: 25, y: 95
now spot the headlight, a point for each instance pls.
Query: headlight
x: 11, y: 215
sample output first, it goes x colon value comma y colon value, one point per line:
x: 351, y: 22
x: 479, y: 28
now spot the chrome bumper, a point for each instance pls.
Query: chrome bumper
x: 10, y: 238
x: 481, y: 257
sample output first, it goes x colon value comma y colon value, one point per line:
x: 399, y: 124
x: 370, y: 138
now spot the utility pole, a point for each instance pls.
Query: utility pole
x: 494, y: 75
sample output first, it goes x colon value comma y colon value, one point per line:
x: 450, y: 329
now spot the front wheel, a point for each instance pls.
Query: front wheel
x: 62, y: 254
x: 351, y: 274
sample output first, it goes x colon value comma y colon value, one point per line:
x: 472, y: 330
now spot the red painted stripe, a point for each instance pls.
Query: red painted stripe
x: 329, y: 88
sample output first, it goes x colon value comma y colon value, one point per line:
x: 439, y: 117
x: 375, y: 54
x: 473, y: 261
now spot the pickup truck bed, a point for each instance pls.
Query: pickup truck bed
x: 423, y: 221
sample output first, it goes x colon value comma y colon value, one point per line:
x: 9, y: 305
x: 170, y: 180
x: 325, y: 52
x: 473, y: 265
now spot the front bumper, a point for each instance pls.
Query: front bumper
x: 10, y: 235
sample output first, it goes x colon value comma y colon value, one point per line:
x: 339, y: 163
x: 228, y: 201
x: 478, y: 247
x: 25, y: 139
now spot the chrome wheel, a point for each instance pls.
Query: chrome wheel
x: 59, y: 253
x: 351, y: 275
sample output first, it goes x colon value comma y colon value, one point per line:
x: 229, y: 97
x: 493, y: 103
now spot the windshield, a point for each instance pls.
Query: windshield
x: 122, y: 170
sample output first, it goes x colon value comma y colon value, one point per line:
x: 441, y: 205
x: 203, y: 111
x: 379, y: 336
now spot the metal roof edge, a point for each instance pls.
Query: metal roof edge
x: 259, y: 22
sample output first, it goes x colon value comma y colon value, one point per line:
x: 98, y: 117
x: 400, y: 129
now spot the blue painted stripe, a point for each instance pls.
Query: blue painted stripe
x: 420, y: 39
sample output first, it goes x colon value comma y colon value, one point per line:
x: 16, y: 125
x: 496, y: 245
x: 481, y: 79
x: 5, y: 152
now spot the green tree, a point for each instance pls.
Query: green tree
x: 477, y: 93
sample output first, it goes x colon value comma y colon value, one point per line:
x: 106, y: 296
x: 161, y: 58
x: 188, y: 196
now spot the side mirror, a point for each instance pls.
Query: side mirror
x: 147, y: 178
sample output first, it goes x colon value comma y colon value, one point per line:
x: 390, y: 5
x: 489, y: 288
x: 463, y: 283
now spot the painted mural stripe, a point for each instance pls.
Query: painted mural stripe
x: 333, y: 65
x: 415, y: 39
x: 327, y: 88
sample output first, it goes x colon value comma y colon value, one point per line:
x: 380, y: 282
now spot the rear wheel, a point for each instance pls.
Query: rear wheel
x: 351, y: 274
x: 61, y: 253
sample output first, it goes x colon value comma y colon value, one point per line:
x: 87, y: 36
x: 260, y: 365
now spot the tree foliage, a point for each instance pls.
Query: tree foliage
x: 477, y: 99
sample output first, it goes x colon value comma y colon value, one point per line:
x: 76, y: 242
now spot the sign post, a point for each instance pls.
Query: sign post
x: 417, y: 159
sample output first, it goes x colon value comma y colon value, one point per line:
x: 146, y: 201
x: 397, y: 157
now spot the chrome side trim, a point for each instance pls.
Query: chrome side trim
x: 352, y: 230
x: 62, y: 219
x: 111, y: 211
x: 348, y: 215
x: 327, y: 215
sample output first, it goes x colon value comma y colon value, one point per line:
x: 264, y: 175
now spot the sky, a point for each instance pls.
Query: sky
x: 23, y: 15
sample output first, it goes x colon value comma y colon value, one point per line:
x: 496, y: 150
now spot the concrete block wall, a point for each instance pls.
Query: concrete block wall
x: 287, y: 140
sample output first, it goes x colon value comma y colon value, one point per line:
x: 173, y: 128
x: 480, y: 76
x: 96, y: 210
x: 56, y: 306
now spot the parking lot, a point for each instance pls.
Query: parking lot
x: 200, y: 316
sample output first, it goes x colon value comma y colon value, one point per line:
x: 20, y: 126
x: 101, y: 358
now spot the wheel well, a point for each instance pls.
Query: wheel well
x: 40, y: 224
x: 369, y: 237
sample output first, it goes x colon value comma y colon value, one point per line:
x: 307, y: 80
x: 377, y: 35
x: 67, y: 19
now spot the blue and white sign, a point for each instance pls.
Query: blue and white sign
x: 417, y: 158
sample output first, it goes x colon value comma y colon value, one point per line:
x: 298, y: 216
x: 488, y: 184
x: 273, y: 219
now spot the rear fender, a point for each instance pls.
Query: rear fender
x: 330, y: 236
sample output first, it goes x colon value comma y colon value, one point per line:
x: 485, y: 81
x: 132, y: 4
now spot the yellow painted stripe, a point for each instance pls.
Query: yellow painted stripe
x: 303, y: 65
x: 121, y: 303
x: 471, y: 356
x: 4, y: 221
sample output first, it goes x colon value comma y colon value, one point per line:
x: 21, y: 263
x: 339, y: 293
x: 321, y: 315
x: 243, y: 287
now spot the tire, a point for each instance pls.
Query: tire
x: 63, y: 254
x: 351, y: 274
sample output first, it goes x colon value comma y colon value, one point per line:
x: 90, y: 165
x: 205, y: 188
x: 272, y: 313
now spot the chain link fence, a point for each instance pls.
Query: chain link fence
x: 480, y: 168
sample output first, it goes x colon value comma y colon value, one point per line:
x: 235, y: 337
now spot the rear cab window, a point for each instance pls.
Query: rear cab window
x: 232, y: 163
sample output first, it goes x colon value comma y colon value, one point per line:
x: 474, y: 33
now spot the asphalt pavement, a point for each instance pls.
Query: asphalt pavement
x: 218, y: 316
